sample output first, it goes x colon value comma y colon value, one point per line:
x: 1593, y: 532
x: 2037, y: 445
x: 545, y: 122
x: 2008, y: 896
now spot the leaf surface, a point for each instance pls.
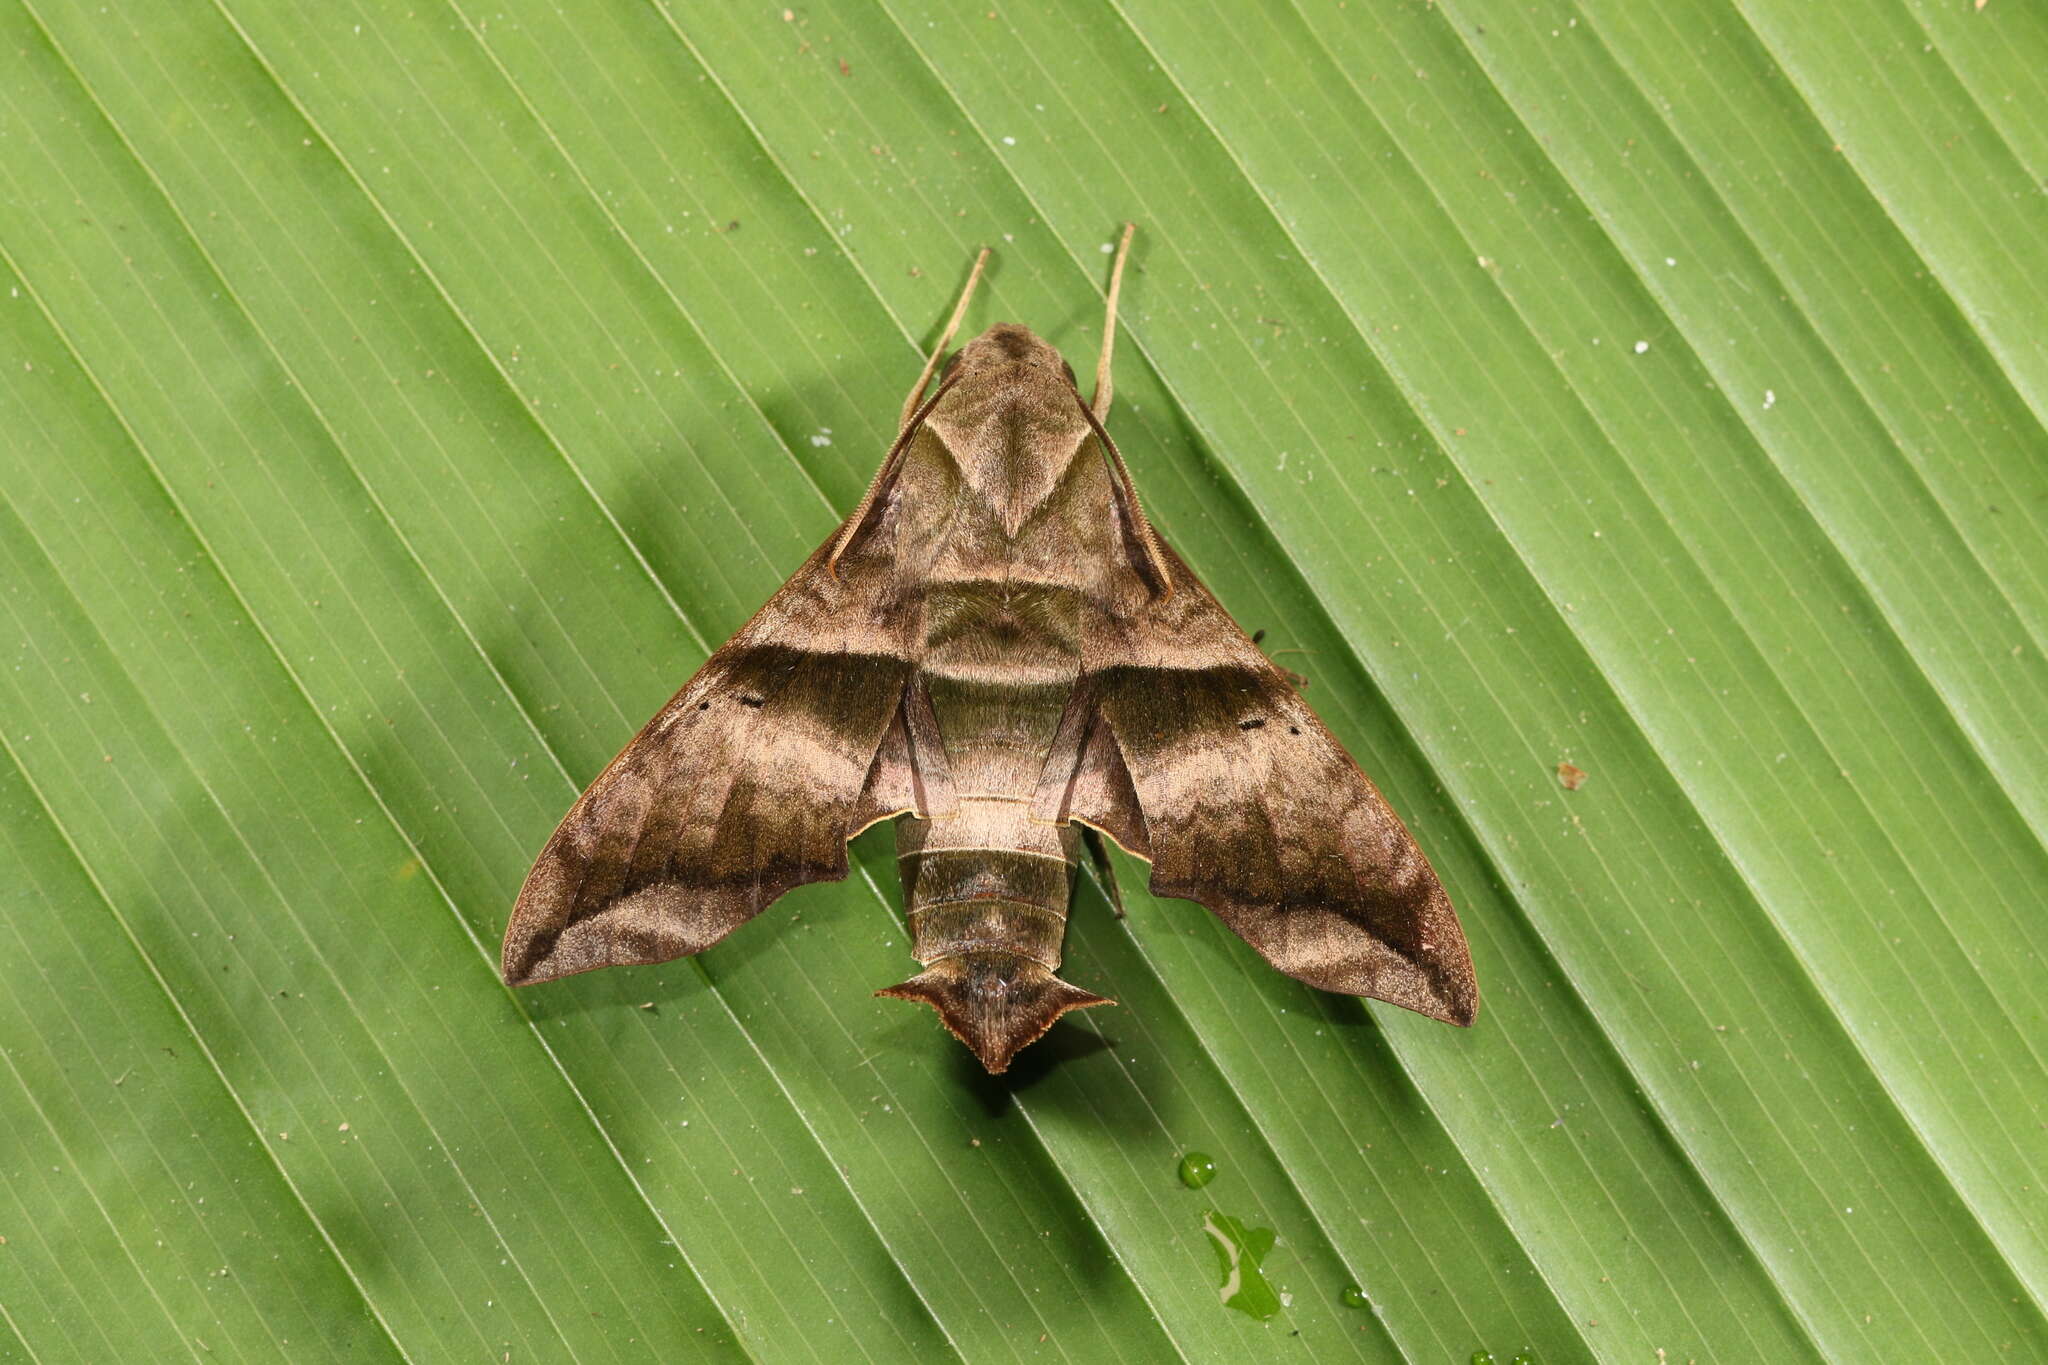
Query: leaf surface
x: 397, y: 403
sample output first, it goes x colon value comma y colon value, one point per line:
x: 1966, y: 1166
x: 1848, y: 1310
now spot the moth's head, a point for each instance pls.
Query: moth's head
x: 1013, y: 348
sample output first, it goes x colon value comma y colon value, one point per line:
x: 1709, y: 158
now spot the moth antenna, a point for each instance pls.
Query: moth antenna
x: 1126, y: 494
x: 1099, y: 405
x: 931, y: 362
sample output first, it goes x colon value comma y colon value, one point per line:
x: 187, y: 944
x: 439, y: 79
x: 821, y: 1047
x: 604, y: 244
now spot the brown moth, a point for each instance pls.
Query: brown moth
x: 997, y: 652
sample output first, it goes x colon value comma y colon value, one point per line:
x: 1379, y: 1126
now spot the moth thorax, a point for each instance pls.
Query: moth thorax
x: 1011, y: 432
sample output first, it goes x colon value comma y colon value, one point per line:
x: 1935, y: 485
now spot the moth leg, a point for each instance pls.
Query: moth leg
x: 1098, y: 857
x: 1300, y: 680
x: 1099, y: 404
x: 931, y: 362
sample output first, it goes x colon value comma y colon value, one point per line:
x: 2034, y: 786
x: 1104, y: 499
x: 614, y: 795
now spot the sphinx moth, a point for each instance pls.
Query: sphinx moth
x: 996, y: 651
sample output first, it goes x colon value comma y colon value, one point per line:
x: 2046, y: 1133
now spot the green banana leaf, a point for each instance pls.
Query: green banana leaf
x: 398, y: 400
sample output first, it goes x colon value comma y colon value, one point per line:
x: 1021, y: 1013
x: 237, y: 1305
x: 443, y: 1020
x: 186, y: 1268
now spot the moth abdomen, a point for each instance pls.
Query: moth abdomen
x: 986, y: 920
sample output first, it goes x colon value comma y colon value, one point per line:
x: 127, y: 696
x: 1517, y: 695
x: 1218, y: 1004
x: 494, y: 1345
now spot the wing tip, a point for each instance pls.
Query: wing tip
x: 657, y: 923
x: 1447, y: 990
x: 518, y: 961
x: 1454, y: 1001
x: 1440, y: 990
x: 530, y: 967
x: 1461, y: 1010
x: 1449, y: 978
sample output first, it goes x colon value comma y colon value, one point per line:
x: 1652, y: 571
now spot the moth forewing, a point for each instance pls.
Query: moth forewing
x: 997, y: 651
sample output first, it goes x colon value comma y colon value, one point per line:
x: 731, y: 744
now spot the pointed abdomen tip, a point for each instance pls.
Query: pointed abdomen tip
x: 996, y: 1003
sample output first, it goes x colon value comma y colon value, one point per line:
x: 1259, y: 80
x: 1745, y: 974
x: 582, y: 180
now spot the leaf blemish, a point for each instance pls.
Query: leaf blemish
x: 1239, y: 1250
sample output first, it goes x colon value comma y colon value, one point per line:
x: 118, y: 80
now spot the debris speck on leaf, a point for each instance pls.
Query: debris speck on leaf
x: 1572, y: 776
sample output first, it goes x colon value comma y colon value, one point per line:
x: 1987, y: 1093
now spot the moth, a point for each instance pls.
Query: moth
x: 997, y: 652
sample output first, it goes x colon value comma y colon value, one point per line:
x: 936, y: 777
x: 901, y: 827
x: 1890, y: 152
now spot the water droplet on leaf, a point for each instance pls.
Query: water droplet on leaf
x: 1197, y: 1169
